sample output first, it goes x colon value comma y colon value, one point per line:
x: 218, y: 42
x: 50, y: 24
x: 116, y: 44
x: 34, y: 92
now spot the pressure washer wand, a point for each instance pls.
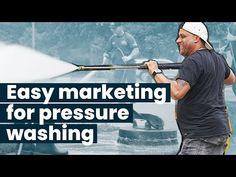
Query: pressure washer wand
x: 162, y: 66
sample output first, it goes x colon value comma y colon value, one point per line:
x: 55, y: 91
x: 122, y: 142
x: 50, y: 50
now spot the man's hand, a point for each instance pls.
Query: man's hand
x: 152, y: 66
x: 126, y: 59
x: 105, y: 55
x: 105, y: 58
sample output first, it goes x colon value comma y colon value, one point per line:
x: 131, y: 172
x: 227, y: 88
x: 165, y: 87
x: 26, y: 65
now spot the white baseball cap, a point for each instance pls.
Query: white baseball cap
x: 199, y: 29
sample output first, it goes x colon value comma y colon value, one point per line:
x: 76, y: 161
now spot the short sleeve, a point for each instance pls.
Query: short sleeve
x: 132, y: 42
x: 190, y: 71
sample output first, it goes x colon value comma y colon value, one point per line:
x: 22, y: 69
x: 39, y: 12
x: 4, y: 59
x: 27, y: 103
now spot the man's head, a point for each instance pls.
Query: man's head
x: 199, y: 29
x: 114, y: 24
x: 116, y: 28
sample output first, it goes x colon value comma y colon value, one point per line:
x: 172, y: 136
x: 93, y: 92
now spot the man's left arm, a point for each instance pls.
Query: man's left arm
x: 134, y: 54
x: 135, y: 49
x: 230, y: 79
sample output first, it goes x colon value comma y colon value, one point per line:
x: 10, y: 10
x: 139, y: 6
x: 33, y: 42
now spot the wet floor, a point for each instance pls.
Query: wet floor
x: 107, y: 145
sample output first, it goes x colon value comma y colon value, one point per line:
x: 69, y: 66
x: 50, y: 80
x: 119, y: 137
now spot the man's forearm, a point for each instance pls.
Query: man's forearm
x: 178, y: 89
x: 161, y: 78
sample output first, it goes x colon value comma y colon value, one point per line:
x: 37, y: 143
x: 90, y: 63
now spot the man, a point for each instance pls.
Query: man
x: 121, y: 48
x: 201, y: 111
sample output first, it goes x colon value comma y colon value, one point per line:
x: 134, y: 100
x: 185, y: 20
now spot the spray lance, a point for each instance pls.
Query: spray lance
x: 162, y: 66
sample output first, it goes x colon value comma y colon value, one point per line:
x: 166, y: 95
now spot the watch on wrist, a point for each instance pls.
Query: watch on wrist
x: 156, y: 72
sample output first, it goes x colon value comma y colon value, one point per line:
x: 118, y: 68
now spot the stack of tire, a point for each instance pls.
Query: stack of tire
x: 153, y: 136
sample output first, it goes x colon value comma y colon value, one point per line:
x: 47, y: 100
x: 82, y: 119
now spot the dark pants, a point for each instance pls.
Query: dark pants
x: 204, y: 146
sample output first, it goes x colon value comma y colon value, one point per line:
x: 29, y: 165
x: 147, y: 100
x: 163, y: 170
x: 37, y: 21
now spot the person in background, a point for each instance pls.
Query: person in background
x: 121, y: 48
x: 231, y: 37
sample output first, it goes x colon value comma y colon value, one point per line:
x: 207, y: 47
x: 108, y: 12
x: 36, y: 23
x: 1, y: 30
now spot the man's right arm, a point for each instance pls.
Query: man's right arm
x: 179, y: 87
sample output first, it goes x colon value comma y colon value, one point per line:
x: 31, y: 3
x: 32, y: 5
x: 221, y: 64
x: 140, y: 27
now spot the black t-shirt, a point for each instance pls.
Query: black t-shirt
x: 202, y: 112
